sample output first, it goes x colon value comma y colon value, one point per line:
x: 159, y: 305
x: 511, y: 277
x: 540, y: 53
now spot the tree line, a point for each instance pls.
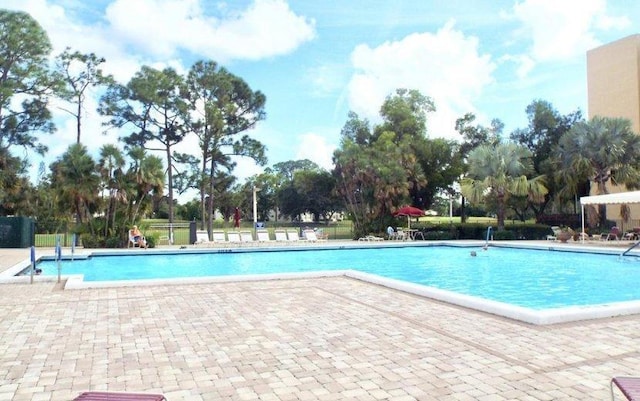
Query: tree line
x: 157, y: 110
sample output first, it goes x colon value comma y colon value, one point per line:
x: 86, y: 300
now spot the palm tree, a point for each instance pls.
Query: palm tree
x: 147, y: 176
x: 76, y: 178
x: 373, y: 181
x: 501, y: 171
x: 111, y: 163
x: 601, y: 150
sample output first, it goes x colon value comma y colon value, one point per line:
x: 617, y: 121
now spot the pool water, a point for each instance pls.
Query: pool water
x: 535, y: 279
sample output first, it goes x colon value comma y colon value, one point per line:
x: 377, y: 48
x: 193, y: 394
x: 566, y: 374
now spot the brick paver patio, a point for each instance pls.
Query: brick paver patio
x: 316, y: 339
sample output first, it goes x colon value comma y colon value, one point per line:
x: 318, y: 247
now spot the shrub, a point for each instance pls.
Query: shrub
x: 571, y: 220
x: 151, y: 240
x: 438, y: 235
x: 91, y: 241
x: 504, y: 235
x: 113, y: 242
x: 478, y: 231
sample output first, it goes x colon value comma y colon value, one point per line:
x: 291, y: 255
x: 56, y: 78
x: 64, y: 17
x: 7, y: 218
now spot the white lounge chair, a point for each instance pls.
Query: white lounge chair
x: 263, y: 236
x: 310, y: 235
x: 233, y: 237
x: 281, y: 236
x: 371, y: 238
x: 246, y: 237
x: 202, y: 238
x: 292, y: 236
x: 219, y: 237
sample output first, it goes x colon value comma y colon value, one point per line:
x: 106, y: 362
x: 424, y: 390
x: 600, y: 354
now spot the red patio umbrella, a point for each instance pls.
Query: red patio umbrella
x: 410, y: 212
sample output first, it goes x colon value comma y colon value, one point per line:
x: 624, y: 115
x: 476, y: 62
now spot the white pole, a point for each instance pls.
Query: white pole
x: 33, y: 263
x: 255, y: 210
x: 582, y: 232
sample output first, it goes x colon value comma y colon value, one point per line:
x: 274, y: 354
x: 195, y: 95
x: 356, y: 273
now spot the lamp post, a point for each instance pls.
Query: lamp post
x: 255, y: 209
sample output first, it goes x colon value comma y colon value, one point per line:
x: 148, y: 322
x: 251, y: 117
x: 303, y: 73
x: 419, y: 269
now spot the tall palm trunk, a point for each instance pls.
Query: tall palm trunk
x: 501, y: 212
x: 211, y: 189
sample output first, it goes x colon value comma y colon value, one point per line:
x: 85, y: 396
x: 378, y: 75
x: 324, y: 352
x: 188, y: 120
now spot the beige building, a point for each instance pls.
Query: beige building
x: 613, y: 82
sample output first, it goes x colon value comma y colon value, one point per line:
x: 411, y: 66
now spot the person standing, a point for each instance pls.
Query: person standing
x: 236, y: 218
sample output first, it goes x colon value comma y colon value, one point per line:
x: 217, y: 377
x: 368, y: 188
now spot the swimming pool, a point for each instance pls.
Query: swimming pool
x: 536, y: 280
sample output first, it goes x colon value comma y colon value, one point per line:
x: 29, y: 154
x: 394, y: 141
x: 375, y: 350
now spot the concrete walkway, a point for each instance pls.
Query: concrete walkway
x: 320, y: 339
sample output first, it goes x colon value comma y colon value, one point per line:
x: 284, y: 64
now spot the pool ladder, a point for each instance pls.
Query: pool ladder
x: 486, y: 244
x: 629, y: 249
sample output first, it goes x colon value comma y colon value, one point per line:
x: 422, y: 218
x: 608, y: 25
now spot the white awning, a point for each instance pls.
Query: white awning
x: 619, y: 198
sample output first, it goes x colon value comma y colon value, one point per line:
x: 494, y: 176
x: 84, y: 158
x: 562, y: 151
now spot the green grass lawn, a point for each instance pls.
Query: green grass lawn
x: 336, y: 230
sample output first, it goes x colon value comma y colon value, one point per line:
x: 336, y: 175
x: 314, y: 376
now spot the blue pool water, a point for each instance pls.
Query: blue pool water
x: 533, y: 279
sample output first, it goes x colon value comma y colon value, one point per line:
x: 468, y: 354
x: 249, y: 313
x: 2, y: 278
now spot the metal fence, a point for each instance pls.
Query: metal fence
x: 179, y: 233
x: 49, y: 240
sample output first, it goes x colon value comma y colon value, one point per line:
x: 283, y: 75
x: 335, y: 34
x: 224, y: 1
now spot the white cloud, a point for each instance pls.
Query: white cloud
x: 65, y: 31
x: 153, y: 32
x: 314, y: 147
x: 561, y: 30
x: 446, y: 66
x: 138, y: 32
x: 163, y: 27
x: 525, y: 64
x: 327, y: 79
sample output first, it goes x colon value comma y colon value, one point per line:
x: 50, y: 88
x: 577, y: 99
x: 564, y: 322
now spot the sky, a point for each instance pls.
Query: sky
x: 317, y: 60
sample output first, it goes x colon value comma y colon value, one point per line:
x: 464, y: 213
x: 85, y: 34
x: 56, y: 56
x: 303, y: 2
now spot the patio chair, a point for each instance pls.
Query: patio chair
x: 292, y: 236
x: 311, y: 236
x: 633, y: 234
x: 281, y: 236
x: 556, y: 231
x: 246, y: 237
x: 263, y: 236
x: 133, y: 241
x: 233, y: 237
x: 628, y: 386
x: 202, y: 238
x: 219, y: 237
x: 108, y: 396
x: 370, y: 238
x: 614, y: 234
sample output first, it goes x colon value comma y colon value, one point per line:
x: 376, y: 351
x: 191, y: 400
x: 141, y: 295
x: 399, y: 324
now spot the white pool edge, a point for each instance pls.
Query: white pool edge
x: 527, y: 315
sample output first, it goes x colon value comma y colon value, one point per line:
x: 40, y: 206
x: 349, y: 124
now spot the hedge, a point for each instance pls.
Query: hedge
x: 478, y: 231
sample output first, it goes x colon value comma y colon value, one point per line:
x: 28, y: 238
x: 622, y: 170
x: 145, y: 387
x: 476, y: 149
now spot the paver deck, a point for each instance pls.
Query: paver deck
x: 319, y: 339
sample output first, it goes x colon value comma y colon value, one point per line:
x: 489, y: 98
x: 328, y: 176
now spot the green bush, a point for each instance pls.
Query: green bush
x: 504, y: 235
x: 478, y: 231
x: 472, y: 231
x: 438, y: 235
x: 90, y: 241
x: 113, y: 242
x: 151, y: 240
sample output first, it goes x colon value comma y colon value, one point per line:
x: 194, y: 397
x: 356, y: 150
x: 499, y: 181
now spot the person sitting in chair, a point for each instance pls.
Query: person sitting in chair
x: 391, y: 233
x: 137, y: 237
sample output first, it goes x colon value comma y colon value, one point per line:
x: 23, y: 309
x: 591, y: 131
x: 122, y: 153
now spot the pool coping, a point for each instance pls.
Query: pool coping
x: 522, y: 314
